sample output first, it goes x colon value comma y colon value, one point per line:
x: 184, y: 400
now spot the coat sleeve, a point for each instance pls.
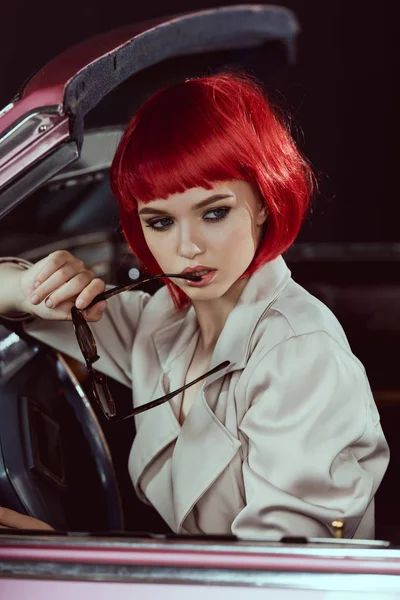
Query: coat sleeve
x: 114, y: 334
x: 316, y: 450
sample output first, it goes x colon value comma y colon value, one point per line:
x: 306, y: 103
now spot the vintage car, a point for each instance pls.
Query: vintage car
x: 60, y: 460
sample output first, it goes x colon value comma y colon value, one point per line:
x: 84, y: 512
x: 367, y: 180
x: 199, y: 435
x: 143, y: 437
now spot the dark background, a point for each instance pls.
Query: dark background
x: 340, y: 93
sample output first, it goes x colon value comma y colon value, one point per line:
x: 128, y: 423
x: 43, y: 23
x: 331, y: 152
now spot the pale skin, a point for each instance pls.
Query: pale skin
x: 187, y: 235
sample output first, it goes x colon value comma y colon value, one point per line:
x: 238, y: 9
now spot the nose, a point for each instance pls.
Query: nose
x: 188, y: 246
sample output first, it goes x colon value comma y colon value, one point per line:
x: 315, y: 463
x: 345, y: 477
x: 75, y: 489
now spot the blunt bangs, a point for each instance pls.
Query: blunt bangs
x: 203, y: 131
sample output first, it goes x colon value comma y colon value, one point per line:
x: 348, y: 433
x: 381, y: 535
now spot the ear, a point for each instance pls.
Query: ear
x: 262, y: 215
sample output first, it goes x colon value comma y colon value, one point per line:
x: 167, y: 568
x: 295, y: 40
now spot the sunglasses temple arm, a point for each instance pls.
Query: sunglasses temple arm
x: 124, y: 288
x: 171, y: 395
x: 115, y: 290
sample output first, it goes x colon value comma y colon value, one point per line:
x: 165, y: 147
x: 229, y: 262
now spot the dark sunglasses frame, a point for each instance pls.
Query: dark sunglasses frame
x: 88, y: 348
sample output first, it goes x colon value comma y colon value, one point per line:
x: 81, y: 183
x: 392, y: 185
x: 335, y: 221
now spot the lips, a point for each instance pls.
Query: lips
x: 204, y: 279
x: 199, y: 270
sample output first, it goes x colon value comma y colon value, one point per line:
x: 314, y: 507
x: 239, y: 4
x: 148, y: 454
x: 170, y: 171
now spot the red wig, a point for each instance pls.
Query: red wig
x: 203, y: 131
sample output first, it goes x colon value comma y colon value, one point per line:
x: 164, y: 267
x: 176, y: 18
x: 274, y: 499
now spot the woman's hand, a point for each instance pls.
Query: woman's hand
x: 9, y: 519
x: 53, y: 285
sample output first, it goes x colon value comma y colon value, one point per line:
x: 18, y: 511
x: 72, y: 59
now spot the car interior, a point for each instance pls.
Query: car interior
x: 60, y: 459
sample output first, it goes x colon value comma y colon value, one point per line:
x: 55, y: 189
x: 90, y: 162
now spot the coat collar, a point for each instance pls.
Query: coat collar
x: 234, y: 342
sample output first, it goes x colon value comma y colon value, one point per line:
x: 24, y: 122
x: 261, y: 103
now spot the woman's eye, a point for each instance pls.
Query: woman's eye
x: 219, y: 212
x: 164, y: 223
x: 159, y: 224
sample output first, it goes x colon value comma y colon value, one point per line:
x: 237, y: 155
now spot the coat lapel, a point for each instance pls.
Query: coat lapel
x: 202, y: 451
x: 171, y: 340
x: 149, y: 459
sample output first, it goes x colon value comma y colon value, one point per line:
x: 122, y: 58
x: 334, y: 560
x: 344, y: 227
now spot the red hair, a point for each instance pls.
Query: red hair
x: 203, y: 131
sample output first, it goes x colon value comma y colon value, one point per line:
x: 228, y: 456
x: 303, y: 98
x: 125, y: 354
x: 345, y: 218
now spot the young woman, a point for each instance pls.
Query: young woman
x: 286, y: 438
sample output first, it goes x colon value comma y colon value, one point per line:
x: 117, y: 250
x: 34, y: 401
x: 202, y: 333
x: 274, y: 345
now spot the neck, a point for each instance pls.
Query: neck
x: 212, y: 315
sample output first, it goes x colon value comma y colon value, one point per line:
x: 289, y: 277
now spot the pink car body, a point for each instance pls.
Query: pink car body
x: 152, y: 568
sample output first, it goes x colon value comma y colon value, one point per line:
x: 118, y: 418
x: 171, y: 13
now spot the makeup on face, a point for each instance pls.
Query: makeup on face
x: 161, y: 224
x: 210, y: 231
x: 206, y: 279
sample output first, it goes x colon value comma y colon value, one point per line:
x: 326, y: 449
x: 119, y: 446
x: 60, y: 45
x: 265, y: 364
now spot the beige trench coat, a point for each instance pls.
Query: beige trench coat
x: 283, y: 441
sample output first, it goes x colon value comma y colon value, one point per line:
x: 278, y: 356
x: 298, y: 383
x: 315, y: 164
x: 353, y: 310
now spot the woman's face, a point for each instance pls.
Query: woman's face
x: 217, y: 229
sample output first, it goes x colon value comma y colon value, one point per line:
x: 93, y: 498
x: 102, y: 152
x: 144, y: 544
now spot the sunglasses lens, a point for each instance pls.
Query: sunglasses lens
x: 86, y: 342
x: 103, y: 397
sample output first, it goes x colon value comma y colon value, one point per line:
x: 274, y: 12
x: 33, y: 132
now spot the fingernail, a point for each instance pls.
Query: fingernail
x: 34, y: 299
x: 49, y: 303
x: 80, y: 303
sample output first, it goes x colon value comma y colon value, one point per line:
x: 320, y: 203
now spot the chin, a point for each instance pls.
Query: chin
x: 207, y: 293
x: 202, y: 294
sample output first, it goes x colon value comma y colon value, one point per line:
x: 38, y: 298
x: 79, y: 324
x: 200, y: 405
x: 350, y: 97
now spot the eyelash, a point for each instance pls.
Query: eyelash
x: 225, y: 210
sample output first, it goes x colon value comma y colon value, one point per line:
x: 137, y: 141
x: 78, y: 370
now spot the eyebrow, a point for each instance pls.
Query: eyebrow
x: 147, y: 210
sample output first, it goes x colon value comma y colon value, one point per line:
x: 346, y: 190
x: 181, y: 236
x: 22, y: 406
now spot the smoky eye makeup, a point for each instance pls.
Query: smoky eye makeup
x: 153, y: 222
x: 222, y: 211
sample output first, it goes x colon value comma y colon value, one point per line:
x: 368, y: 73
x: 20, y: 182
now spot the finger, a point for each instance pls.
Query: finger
x: 95, y: 287
x: 57, y: 279
x: 50, y: 264
x: 69, y: 290
x: 63, y: 311
x: 96, y: 312
x: 11, y: 518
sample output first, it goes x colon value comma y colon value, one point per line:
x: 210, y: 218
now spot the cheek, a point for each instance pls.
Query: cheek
x: 236, y: 236
x: 155, y: 247
x: 155, y: 241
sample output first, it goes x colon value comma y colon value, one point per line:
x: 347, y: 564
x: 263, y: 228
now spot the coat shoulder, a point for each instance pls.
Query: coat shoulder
x: 297, y: 313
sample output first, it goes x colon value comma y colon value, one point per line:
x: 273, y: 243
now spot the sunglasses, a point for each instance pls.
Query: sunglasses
x: 87, y: 344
